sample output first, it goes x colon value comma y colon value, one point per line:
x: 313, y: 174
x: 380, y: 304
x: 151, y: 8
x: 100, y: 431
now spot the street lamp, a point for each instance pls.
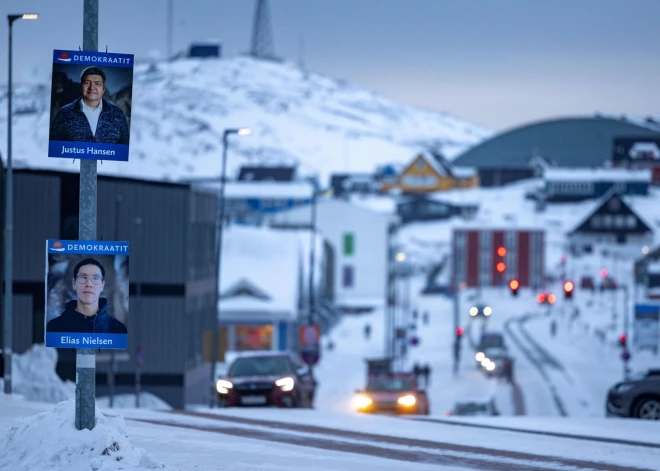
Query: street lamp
x: 9, y: 219
x: 218, y: 247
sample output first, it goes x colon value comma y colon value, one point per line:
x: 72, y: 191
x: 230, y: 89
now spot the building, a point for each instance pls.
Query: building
x: 647, y: 273
x: 251, y: 202
x: 260, y: 173
x: 563, y: 185
x: 494, y: 256
x: 172, y: 281
x: 429, y: 208
x: 612, y: 221
x: 430, y: 172
x: 264, y: 293
x: 581, y: 142
x: 344, y: 184
x: 630, y: 152
x: 359, y: 237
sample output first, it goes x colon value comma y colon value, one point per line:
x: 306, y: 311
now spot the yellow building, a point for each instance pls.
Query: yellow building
x: 430, y: 172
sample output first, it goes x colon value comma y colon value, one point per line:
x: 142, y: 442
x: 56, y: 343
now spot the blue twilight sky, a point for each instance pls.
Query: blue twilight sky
x: 497, y: 63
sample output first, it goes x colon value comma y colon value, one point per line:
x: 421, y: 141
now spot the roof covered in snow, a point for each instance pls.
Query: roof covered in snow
x: 597, y: 174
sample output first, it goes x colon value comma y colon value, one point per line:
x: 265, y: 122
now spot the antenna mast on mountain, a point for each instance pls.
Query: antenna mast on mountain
x: 262, y: 32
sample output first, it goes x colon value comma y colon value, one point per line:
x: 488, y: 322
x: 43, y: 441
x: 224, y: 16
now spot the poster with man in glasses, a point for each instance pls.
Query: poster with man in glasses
x: 87, y: 289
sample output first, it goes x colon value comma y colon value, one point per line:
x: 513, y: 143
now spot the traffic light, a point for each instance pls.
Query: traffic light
x: 514, y: 285
x: 501, y: 251
x: 500, y: 267
x: 623, y: 338
x: 459, y: 332
x: 568, y: 289
x: 603, y: 273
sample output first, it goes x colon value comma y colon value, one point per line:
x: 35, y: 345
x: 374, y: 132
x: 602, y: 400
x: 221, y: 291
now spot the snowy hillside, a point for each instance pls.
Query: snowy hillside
x: 181, y: 109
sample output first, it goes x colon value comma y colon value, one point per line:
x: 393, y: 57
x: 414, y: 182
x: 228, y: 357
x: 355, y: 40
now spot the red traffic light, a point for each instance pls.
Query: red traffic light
x: 459, y: 331
x: 623, y: 338
x: 501, y: 251
x: 603, y: 273
x: 500, y: 267
x: 568, y: 286
x: 514, y: 284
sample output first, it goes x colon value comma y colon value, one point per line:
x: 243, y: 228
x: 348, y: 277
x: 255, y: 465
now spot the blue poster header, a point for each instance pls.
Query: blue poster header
x: 96, y: 247
x: 80, y: 340
x: 108, y: 59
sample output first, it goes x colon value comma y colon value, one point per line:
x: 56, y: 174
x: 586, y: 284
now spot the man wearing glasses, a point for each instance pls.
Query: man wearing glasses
x: 87, y: 313
x: 90, y: 118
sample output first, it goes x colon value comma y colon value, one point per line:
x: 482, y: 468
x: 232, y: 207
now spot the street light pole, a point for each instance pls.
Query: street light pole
x: 218, y: 252
x: 312, y: 260
x: 8, y: 326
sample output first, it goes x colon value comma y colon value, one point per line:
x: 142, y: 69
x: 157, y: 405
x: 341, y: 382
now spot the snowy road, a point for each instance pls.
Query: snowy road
x: 390, y: 447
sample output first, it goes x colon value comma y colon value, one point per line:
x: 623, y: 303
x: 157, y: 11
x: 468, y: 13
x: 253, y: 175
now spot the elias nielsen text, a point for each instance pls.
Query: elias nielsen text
x: 88, y: 150
x: 66, y: 340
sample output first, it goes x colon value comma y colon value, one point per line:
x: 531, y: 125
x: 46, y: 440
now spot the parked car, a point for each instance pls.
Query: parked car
x: 638, y: 397
x: 480, y: 407
x: 267, y: 379
x: 398, y: 393
x: 587, y: 282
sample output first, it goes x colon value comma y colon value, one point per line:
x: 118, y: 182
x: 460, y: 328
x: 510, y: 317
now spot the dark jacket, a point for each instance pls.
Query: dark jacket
x: 70, y: 124
x: 73, y: 321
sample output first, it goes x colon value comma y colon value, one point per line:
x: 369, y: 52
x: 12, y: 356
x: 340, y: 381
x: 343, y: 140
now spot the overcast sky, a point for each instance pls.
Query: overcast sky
x: 497, y: 63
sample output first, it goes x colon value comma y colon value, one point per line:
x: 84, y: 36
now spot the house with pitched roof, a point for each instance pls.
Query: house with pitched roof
x: 430, y: 172
x: 612, y: 221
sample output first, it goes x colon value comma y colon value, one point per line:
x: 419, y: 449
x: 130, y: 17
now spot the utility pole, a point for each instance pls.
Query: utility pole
x: 113, y: 357
x: 170, y: 28
x: 86, y: 358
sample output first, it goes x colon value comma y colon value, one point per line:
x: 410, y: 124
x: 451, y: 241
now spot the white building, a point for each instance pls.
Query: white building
x: 359, y: 236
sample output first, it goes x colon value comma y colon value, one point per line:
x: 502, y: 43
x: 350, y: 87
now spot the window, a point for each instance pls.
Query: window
x: 631, y: 222
x: 347, y: 277
x: 420, y: 180
x: 607, y: 221
x: 595, y: 222
x: 349, y: 243
x: 619, y: 221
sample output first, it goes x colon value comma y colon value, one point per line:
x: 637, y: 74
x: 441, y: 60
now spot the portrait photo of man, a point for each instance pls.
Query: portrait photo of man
x: 90, y: 117
x: 89, y: 312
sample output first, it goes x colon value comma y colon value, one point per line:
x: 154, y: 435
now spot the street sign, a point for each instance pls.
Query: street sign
x: 647, y: 326
x: 625, y: 356
x: 310, y: 357
x: 414, y: 341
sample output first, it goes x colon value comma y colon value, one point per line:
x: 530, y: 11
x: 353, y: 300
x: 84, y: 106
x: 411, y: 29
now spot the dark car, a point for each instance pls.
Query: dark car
x: 267, y: 379
x: 491, y: 340
x: 638, y: 397
x: 608, y: 284
x: 587, y: 282
x: 484, y: 407
x: 394, y: 393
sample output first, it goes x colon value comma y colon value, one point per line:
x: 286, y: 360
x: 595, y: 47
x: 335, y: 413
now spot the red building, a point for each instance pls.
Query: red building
x: 493, y: 257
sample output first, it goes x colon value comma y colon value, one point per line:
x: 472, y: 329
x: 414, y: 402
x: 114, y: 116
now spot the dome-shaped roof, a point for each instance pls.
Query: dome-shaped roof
x: 567, y: 142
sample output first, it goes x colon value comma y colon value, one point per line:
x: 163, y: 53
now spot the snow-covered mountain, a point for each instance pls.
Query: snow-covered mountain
x: 180, y: 110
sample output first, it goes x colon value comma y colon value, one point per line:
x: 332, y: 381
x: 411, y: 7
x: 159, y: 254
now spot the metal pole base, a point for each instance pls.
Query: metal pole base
x: 85, y: 389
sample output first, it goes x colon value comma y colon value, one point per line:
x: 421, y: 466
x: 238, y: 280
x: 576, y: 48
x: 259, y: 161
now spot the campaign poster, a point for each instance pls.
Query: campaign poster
x: 87, y: 289
x: 90, y: 105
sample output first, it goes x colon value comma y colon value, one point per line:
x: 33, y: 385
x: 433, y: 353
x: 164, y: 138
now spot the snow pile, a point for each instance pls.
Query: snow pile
x: 35, y: 377
x: 127, y: 401
x: 49, y: 441
x: 322, y: 124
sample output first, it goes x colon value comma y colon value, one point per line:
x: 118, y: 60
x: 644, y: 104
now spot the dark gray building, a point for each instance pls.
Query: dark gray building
x: 173, y: 268
x: 585, y: 142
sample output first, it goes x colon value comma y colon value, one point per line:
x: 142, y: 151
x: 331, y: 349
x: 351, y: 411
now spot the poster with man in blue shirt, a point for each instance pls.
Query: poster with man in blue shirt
x: 87, y: 294
x: 91, y: 99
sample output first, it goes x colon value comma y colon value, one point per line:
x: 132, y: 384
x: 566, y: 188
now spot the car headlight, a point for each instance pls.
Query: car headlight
x: 286, y: 384
x: 408, y: 400
x: 490, y: 366
x: 474, y: 311
x: 487, y: 311
x: 479, y: 356
x: 223, y: 386
x: 361, y: 401
x: 485, y: 362
x: 623, y: 388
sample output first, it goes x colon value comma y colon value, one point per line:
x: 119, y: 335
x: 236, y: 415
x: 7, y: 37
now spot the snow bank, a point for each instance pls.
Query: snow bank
x: 127, y: 401
x: 50, y: 442
x: 35, y: 377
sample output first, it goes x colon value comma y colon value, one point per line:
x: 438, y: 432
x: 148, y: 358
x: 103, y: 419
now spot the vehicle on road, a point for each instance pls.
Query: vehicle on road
x: 483, y: 407
x: 397, y: 393
x: 481, y: 310
x: 266, y: 379
x: 491, y: 339
x: 638, y: 397
x: 492, y: 360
